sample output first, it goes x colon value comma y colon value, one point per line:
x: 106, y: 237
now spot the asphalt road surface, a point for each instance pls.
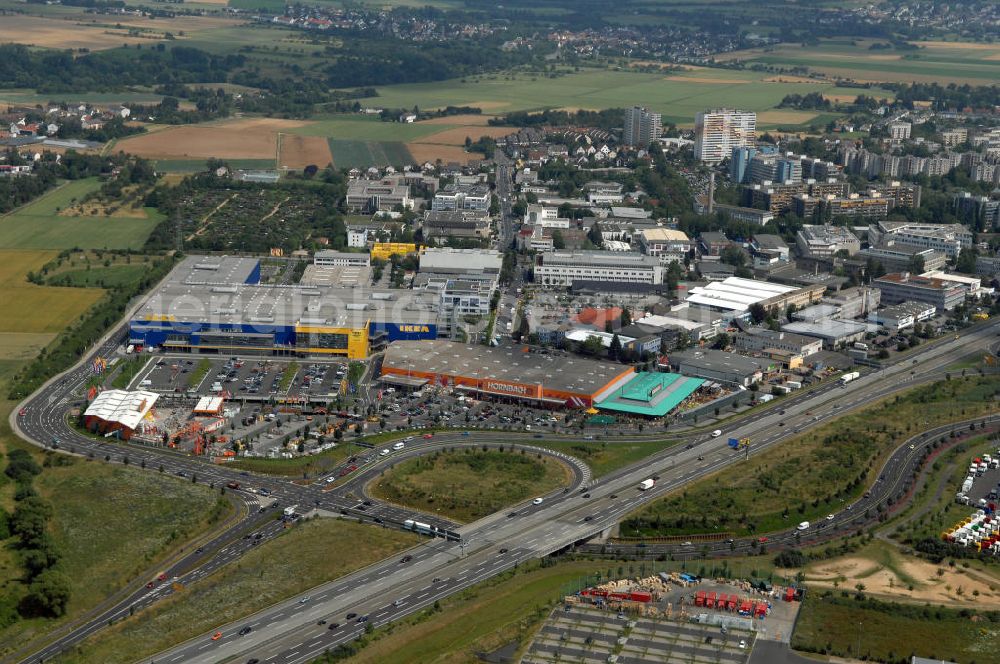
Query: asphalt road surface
x: 388, y: 590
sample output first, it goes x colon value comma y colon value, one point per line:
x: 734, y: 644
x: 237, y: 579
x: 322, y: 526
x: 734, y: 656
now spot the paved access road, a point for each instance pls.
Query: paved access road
x: 388, y: 590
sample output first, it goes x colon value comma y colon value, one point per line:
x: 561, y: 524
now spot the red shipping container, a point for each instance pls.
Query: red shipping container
x: 618, y: 595
x: 710, y: 600
x: 699, y: 598
x: 789, y: 594
x: 745, y: 607
x: 760, y: 610
x: 640, y: 596
x: 731, y: 605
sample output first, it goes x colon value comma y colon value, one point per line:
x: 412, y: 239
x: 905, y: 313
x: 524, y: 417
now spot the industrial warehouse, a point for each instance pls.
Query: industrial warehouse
x: 218, y: 305
x: 520, y: 374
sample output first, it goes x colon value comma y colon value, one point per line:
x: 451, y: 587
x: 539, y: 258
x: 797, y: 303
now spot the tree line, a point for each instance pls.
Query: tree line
x: 47, y: 588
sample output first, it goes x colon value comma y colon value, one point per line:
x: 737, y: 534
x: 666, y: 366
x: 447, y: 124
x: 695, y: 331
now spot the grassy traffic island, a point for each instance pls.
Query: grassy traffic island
x: 816, y: 473
x: 469, y: 484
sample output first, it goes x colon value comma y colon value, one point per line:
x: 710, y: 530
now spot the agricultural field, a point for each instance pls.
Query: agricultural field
x: 471, y: 484
x: 34, y: 314
x: 42, y: 224
x: 255, y: 138
x: 944, y: 62
x: 177, y: 168
x: 677, y: 95
x: 295, y: 151
x: 362, y: 154
x: 323, y: 550
x: 817, y: 472
x: 76, y: 30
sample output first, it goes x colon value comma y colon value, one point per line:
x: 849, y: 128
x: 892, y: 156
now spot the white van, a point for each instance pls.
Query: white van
x: 803, y: 526
x: 398, y: 446
x: 716, y: 433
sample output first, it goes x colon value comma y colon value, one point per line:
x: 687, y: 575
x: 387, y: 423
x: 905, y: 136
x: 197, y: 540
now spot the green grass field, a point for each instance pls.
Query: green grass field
x: 40, y: 226
x: 362, y: 154
x: 361, y: 128
x: 814, y: 474
x: 469, y: 484
x: 99, y: 277
x: 308, y: 554
x: 110, y: 523
x: 677, y: 96
x: 604, y: 457
x: 975, y: 64
x: 844, y: 626
x: 31, y: 97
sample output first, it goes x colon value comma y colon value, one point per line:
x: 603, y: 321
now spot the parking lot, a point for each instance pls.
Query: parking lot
x: 442, y: 408
x: 250, y: 378
x: 586, y: 634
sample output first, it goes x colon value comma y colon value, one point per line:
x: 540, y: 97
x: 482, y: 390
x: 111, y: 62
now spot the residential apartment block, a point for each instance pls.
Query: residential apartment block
x: 718, y: 131
x: 642, y: 127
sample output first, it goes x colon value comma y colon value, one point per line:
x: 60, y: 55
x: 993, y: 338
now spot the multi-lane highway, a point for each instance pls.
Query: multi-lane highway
x: 288, y: 632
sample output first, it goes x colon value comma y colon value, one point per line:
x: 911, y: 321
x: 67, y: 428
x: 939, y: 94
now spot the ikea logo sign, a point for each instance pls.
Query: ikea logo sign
x: 415, y: 328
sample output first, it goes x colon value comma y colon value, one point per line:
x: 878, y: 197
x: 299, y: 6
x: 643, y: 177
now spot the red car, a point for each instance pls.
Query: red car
x: 149, y: 585
x: 162, y: 576
x: 21, y: 412
x: 761, y: 539
x: 428, y: 436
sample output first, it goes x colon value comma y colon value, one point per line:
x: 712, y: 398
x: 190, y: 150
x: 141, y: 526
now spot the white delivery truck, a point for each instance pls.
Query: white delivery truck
x: 645, y: 485
x: 848, y: 377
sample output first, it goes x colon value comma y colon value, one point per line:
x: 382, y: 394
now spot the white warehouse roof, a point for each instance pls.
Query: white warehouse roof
x: 125, y: 408
x: 736, y: 293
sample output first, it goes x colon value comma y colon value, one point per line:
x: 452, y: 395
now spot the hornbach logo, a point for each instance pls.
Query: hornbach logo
x: 414, y: 328
x: 505, y: 387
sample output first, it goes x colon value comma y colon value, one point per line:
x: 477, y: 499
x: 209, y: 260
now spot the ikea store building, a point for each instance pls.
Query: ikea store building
x: 216, y: 304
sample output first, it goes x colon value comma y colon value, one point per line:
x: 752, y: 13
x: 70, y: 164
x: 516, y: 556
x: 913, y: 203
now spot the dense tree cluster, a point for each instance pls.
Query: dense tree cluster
x: 47, y: 590
x: 115, y: 69
x: 948, y: 96
x: 362, y: 61
x: 810, y: 101
x: 17, y: 191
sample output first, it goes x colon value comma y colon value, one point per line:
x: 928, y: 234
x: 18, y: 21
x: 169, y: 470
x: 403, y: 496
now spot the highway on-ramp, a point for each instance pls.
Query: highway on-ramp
x: 390, y: 589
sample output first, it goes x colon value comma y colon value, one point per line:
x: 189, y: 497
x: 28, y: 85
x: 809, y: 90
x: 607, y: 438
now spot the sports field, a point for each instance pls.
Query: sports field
x: 40, y: 226
x: 944, y: 62
x: 677, y: 95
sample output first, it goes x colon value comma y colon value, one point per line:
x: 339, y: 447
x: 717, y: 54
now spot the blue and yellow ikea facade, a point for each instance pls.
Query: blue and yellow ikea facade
x: 190, y: 312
